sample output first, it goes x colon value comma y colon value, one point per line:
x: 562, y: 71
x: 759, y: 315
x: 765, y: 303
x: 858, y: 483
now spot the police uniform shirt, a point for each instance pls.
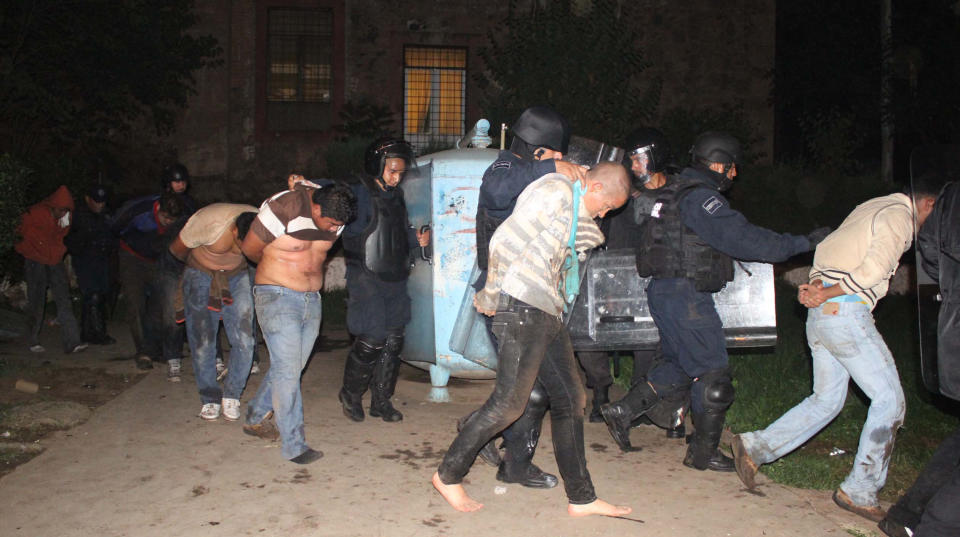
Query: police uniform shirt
x: 505, y: 179
x: 708, y: 214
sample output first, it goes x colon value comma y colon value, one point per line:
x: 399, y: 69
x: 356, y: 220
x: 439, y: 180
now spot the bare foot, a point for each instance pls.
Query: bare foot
x: 457, y: 497
x: 598, y: 507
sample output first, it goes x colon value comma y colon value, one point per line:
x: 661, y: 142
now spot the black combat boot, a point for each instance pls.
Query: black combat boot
x: 87, y: 314
x: 517, y: 466
x: 98, y: 322
x: 382, y: 385
x: 621, y: 414
x: 678, y: 430
x: 520, y: 443
x: 703, y: 452
x: 356, y: 376
x: 601, y: 396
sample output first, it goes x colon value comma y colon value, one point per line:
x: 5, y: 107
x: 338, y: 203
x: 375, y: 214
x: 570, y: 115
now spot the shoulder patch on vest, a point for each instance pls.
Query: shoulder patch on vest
x: 502, y: 165
x: 712, y: 204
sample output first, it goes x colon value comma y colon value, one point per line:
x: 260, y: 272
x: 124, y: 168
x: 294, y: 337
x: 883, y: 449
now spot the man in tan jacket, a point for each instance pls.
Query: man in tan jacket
x: 851, y: 271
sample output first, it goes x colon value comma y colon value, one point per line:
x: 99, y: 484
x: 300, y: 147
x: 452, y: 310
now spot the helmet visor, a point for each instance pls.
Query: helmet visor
x: 640, y: 162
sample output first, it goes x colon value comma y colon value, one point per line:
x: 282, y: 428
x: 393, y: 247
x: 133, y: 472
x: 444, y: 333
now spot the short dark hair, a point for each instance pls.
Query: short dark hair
x: 927, y: 185
x: 336, y: 201
x: 172, y: 205
x: 243, y: 223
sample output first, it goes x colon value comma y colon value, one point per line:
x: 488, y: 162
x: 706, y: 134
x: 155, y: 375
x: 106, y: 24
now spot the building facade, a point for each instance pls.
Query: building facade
x: 295, y: 69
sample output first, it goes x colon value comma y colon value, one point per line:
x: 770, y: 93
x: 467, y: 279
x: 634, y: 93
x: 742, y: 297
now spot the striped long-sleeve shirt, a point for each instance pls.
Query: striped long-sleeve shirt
x: 863, y: 253
x: 528, y: 249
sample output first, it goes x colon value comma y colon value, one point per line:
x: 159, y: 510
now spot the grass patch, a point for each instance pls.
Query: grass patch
x: 770, y: 383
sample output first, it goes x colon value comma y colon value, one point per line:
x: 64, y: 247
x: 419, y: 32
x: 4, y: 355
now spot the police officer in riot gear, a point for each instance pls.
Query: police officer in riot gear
x: 540, y: 138
x: 176, y: 179
x: 688, y: 245
x: 646, y: 155
x: 377, y: 249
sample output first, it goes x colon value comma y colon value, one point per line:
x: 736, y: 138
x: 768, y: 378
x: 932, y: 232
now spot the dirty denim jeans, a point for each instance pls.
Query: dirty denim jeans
x: 844, y: 345
x: 202, y: 325
x: 532, y: 345
x: 290, y: 321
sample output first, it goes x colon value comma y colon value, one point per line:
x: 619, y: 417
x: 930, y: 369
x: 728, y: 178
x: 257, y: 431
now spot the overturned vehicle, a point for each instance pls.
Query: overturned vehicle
x: 448, y: 337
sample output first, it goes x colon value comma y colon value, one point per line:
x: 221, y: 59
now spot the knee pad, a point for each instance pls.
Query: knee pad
x: 538, y: 397
x: 368, y: 349
x: 716, y: 390
x: 394, y: 342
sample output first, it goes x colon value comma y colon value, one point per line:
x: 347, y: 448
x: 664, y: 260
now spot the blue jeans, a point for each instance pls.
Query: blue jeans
x: 290, y: 321
x: 844, y: 345
x: 202, y: 324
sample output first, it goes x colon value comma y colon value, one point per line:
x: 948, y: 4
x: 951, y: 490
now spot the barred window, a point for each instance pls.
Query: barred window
x: 434, y: 95
x: 299, y: 68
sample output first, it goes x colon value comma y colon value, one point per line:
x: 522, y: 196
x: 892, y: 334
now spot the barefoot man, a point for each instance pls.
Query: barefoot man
x: 289, y: 241
x: 527, y: 253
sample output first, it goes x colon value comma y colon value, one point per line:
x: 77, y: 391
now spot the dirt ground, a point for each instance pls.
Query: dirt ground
x: 143, y: 464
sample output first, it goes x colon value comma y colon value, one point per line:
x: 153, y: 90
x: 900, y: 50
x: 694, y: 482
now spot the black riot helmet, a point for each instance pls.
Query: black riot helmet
x: 716, y: 147
x: 383, y: 148
x: 540, y: 126
x: 648, y: 146
x: 174, y: 172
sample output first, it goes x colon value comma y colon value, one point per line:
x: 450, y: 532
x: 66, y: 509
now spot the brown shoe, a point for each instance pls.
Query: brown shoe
x: 265, y: 429
x: 746, y: 468
x: 875, y: 513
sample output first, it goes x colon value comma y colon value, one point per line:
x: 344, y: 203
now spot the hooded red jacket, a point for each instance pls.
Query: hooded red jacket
x: 42, y: 236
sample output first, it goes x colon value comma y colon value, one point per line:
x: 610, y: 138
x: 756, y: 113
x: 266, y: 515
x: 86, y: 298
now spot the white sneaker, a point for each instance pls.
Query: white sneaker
x: 231, y: 409
x: 79, y: 348
x: 255, y: 368
x: 221, y: 367
x: 173, y: 370
x: 37, y: 348
x: 210, y: 411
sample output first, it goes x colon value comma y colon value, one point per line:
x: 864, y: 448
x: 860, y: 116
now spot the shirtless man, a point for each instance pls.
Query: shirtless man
x: 289, y: 241
x: 216, y: 285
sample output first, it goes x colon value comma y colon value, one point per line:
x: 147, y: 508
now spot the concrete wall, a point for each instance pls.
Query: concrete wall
x: 706, y: 54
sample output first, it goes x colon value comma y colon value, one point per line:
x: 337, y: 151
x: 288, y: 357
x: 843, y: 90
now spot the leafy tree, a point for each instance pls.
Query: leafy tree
x: 583, y: 61
x: 827, y: 104
x: 77, y: 76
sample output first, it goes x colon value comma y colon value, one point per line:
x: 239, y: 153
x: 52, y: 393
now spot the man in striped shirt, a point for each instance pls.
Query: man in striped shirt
x: 522, y: 293
x: 289, y: 241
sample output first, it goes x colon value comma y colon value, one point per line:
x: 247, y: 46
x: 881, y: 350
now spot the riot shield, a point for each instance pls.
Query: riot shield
x: 587, y: 152
x: 942, y: 164
x: 611, y: 312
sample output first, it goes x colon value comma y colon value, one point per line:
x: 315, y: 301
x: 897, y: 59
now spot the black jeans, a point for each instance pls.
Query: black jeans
x: 38, y: 277
x: 532, y: 344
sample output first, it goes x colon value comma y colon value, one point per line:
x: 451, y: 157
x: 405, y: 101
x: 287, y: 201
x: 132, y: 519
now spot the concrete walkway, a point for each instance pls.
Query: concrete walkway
x: 146, y: 465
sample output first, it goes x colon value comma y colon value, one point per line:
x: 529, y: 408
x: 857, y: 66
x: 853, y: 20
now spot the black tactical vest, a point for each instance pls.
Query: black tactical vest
x: 669, y: 249
x: 382, y: 249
